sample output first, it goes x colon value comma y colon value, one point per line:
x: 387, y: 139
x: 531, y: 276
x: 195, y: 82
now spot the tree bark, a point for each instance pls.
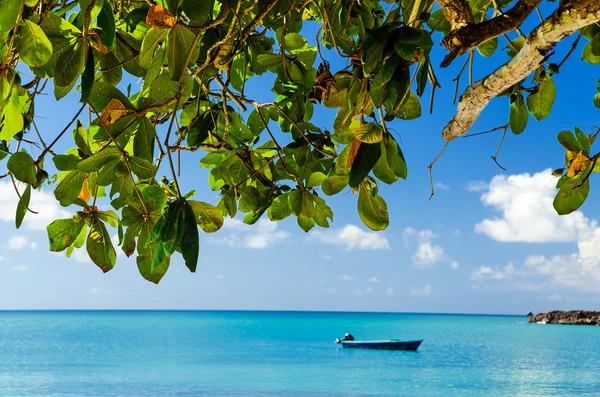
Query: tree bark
x: 541, y: 40
x: 469, y: 36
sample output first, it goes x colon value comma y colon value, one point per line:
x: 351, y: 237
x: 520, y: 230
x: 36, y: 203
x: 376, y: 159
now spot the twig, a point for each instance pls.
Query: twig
x: 457, y: 79
x: 47, y: 149
x: 573, y: 47
x: 502, y: 127
x: 495, y: 156
x: 430, y: 166
x: 19, y: 194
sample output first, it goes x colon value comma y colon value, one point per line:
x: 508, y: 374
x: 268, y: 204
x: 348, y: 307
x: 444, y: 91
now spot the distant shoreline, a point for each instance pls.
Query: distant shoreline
x: 571, y: 317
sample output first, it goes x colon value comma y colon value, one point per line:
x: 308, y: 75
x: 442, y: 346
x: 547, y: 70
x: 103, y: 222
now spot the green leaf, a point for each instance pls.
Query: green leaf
x: 294, y: 41
x: 106, y: 22
x: 590, y: 51
x: 103, y: 92
x: 487, y: 48
x: 597, y: 100
x: 198, y: 133
x: 518, y: 116
x: 141, y: 167
x: 13, y: 119
x: 571, y: 195
x: 143, y: 140
x: 568, y: 141
x: 190, y: 242
x: 315, y: 179
x: 296, y: 201
x: 368, y: 133
x: 87, y: 78
x: 208, y: 217
x: 181, y: 42
x: 334, y: 184
x: 514, y: 47
x: 305, y: 223
x: 410, y: 40
x: 198, y: 12
x: 69, y: 188
x: 280, y: 208
x: 99, y: 247
x: 70, y: 64
x: 410, y: 109
x: 583, y: 141
x: 372, y: 209
x: 99, y: 160
x: 23, y: 206
x: 322, y: 212
x: 10, y: 14
x: 540, y: 102
x: 366, y: 158
x: 22, y: 166
x: 391, y: 164
x: 34, y: 47
x: 62, y: 233
x: 151, y: 40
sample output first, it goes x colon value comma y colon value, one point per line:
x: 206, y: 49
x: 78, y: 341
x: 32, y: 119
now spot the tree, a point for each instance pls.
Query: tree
x: 195, y: 58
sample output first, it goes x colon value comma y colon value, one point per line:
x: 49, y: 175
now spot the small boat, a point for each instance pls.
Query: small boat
x: 391, y: 344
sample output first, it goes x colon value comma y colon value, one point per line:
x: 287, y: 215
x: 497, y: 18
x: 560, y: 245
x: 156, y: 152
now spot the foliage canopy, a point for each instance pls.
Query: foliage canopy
x: 194, y: 59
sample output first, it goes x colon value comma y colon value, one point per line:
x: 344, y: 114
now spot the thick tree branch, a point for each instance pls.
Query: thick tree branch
x: 541, y: 40
x: 471, y: 35
x: 457, y: 12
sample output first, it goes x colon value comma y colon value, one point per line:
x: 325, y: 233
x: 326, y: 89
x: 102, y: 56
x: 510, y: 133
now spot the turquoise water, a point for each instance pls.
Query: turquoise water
x: 290, y: 354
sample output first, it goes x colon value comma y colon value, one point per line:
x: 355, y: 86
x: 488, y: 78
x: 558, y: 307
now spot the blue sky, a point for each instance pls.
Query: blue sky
x: 488, y: 242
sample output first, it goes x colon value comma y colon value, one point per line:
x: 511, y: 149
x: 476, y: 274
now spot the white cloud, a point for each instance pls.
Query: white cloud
x: 16, y: 242
x: 332, y: 291
x: 95, y: 291
x: 554, y: 297
x: 389, y: 291
x: 373, y: 279
x: 454, y: 265
x: 425, y: 291
x: 345, y: 277
x: 495, y: 273
x: 42, y: 202
x: 219, y: 277
x: 258, y: 236
x: 441, y: 186
x: 2, y: 258
x: 20, y: 268
x: 427, y: 252
x: 477, y: 186
x: 327, y: 257
x: 352, y: 237
x: 526, y: 214
x: 361, y: 291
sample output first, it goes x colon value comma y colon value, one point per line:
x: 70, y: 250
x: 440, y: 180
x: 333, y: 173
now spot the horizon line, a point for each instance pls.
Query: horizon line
x: 262, y: 311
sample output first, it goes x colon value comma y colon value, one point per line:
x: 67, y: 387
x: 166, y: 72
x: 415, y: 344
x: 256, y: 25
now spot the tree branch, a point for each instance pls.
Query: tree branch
x: 541, y: 40
x: 457, y: 12
x: 471, y: 35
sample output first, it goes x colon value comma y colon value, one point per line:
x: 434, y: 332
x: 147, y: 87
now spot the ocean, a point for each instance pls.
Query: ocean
x: 290, y: 354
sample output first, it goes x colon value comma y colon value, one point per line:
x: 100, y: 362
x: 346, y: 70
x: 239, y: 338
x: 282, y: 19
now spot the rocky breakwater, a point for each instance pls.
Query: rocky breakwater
x: 574, y: 317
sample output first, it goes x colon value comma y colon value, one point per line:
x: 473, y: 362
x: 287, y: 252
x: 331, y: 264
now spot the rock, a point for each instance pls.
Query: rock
x: 575, y: 317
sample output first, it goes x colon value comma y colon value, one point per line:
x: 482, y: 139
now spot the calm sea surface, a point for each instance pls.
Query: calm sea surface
x: 283, y: 354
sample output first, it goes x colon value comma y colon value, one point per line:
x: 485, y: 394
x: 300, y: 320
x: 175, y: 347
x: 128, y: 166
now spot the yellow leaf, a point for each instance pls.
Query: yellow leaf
x: 159, y: 17
x: 368, y: 133
x: 96, y: 42
x: 114, y: 111
x: 580, y: 162
x: 85, y: 194
x: 355, y: 145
